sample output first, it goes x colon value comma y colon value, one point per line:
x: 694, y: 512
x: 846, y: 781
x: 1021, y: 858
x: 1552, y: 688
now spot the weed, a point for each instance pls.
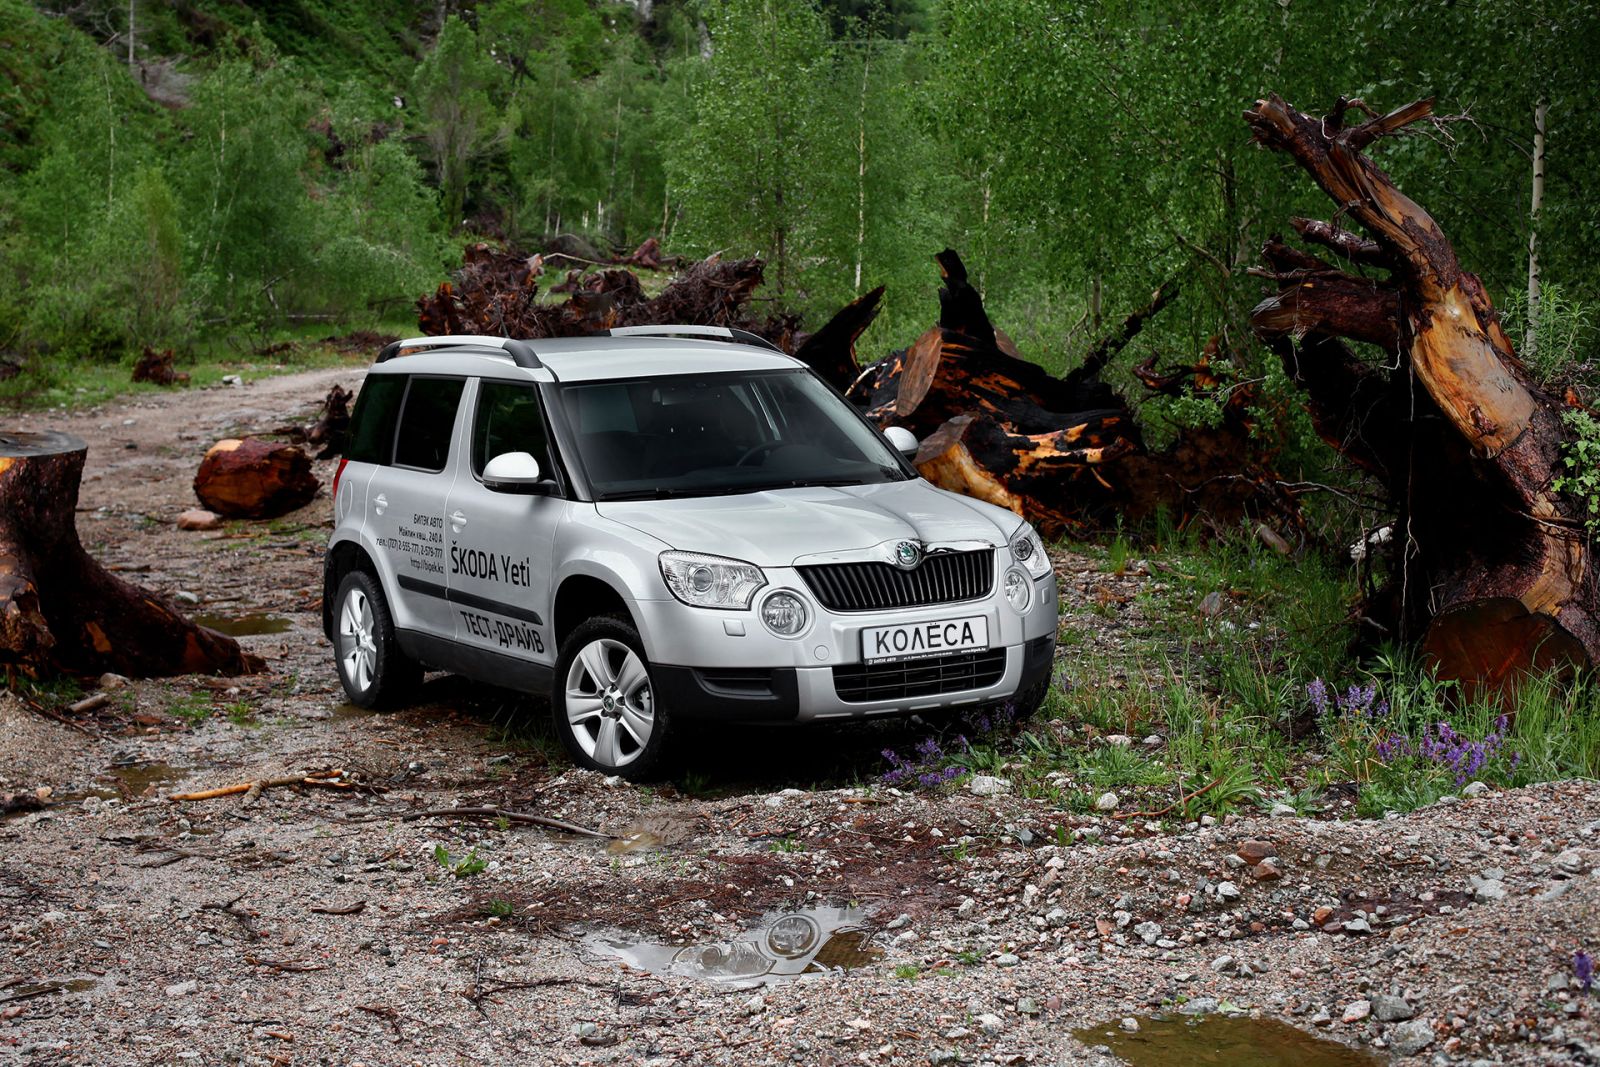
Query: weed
x: 499, y: 909
x: 192, y: 708
x: 460, y: 866
x: 788, y: 843
x: 241, y: 713
x: 906, y: 970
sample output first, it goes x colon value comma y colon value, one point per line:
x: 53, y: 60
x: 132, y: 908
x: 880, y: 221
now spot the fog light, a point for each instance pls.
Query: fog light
x: 785, y: 614
x: 1019, y: 591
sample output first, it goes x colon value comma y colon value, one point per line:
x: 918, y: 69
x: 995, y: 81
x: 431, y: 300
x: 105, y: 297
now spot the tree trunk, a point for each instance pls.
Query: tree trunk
x: 1493, y: 573
x: 254, y: 479
x: 59, y: 609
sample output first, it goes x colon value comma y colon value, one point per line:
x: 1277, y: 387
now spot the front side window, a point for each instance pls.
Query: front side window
x: 508, y: 420
x: 705, y: 435
x: 426, y: 423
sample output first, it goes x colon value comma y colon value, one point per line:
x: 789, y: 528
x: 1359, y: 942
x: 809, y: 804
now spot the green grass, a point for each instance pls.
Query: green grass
x: 79, y: 383
x: 192, y: 708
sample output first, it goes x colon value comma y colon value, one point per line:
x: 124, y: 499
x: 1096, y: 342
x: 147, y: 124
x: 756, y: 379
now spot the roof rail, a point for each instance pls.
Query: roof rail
x: 714, y: 333
x: 521, y: 352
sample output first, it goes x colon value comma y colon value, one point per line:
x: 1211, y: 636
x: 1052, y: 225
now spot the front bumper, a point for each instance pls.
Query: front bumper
x: 726, y: 665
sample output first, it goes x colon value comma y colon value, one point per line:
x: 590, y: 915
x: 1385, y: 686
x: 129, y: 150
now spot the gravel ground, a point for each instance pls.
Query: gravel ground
x: 316, y: 925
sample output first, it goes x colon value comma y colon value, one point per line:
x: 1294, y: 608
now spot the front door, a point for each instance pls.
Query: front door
x: 501, y: 545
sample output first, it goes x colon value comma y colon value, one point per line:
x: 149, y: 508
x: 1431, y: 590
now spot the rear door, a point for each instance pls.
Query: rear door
x: 406, y: 505
x: 501, y: 545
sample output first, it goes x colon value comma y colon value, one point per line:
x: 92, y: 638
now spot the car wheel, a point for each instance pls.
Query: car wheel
x: 604, y: 704
x: 1026, y: 703
x: 375, y: 672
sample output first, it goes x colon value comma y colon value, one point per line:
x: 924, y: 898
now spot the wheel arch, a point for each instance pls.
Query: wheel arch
x: 343, y: 557
x: 584, y: 596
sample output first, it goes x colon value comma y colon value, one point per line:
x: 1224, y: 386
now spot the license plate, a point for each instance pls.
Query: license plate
x: 918, y: 640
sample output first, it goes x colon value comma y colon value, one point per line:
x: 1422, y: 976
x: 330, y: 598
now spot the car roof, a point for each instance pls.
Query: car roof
x: 587, y: 359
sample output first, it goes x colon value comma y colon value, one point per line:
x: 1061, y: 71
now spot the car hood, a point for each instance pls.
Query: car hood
x: 776, y: 527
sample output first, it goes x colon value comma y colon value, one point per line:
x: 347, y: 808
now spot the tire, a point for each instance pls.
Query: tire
x: 1028, y: 702
x: 374, y: 671
x: 603, y: 703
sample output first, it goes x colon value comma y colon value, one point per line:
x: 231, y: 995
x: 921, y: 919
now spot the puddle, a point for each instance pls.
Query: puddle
x: 144, y: 779
x: 25, y: 990
x: 783, y: 946
x: 1235, y: 1041
x: 348, y: 710
x: 243, y: 625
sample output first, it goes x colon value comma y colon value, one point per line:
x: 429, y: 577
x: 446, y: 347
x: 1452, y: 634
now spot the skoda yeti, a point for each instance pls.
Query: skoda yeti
x: 659, y: 525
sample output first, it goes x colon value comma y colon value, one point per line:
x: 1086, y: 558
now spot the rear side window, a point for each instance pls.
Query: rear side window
x: 508, y: 420
x: 426, y: 423
x: 373, y: 421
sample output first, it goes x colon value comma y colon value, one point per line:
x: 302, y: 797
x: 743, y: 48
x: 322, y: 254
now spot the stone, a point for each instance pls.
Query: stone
x: 1028, y: 1006
x: 182, y: 989
x: 1107, y: 802
x: 1056, y: 917
x: 1265, y: 871
x: 1390, y: 1009
x: 183, y: 596
x: 1253, y: 852
x: 1148, y: 932
x: 755, y: 1005
x: 966, y: 907
x: 1355, y: 1011
x: 1321, y: 915
x: 1489, y: 889
x: 987, y: 785
x: 1570, y: 861
x: 1322, y: 1018
x: 990, y: 1023
x: 1412, y: 1037
x: 1120, y: 740
x: 1280, y: 809
x: 1007, y: 959
x: 1130, y: 1024
x: 1224, y: 964
x: 1358, y: 925
x: 198, y: 519
x: 1473, y: 789
x: 1227, y: 892
x: 1199, y: 1006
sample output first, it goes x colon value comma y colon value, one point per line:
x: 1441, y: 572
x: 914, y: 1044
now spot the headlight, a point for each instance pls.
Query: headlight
x: 1028, y: 550
x: 1019, y: 590
x: 784, y: 613
x: 711, y: 581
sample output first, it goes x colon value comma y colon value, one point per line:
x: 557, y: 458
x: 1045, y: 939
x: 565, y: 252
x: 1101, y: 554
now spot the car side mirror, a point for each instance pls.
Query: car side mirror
x: 903, y: 440
x: 516, y: 472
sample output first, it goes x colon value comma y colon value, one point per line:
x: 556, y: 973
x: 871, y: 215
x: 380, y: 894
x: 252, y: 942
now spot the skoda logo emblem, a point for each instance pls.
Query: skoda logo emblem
x: 907, y: 554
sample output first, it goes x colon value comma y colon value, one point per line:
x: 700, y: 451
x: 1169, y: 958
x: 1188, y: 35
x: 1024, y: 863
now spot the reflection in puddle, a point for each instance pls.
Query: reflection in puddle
x: 243, y: 625
x: 783, y: 946
x: 1235, y: 1041
x: 140, y: 779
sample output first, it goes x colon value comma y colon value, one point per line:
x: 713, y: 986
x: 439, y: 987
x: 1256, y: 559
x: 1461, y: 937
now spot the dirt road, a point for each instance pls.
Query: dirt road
x: 313, y: 925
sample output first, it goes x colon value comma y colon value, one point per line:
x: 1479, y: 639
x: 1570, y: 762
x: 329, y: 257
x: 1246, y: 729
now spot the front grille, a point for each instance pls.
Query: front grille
x: 862, y: 683
x: 941, y: 578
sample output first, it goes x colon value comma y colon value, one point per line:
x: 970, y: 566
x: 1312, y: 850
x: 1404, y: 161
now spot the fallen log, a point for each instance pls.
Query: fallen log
x: 251, y: 478
x: 60, y: 611
x: 331, y: 432
x: 1493, y: 577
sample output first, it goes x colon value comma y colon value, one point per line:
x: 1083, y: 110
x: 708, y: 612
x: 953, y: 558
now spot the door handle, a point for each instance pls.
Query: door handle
x: 457, y: 520
x: 380, y: 502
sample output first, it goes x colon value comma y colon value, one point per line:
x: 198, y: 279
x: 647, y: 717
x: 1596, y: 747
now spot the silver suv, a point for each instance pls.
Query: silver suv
x: 659, y: 525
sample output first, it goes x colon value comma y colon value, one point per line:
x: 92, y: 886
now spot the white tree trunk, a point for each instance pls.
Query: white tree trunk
x: 1530, y: 339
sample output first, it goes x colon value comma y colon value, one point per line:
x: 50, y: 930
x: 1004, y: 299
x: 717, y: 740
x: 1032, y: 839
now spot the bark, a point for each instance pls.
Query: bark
x: 1493, y: 576
x: 331, y: 432
x: 60, y: 611
x: 831, y: 351
x: 251, y: 478
x: 156, y: 367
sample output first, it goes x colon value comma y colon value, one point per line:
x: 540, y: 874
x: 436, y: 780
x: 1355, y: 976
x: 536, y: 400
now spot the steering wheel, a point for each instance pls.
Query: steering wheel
x: 752, y: 453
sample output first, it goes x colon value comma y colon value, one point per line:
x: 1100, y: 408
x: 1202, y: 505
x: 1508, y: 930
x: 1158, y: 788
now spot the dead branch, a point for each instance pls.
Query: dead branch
x: 510, y: 816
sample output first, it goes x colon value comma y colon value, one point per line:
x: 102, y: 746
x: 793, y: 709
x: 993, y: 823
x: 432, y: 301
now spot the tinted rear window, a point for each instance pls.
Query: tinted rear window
x: 427, y: 422
x: 372, y: 423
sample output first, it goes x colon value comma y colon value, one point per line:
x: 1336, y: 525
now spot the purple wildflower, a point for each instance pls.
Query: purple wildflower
x: 1583, y: 967
x: 1317, y: 690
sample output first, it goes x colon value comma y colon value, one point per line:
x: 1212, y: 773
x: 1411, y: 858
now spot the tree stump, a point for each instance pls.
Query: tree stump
x: 250, y: 478
x: 60, y: 611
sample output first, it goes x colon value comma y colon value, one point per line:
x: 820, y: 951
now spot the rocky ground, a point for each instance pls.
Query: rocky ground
x: 317, y: 925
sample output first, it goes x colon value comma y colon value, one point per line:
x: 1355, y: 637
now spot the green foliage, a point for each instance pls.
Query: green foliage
x: 458, y: 121
x: 460, y: 866
x: 1581, y: 457
x: 1563, y: 343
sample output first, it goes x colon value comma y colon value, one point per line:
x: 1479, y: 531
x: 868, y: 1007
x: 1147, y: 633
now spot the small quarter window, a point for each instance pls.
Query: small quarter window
x: 427, y: 422
x: 508, y: 420
x: 373, y: 421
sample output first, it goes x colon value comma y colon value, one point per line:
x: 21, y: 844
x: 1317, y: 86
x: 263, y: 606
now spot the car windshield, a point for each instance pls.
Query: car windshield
x: 719, y: 434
